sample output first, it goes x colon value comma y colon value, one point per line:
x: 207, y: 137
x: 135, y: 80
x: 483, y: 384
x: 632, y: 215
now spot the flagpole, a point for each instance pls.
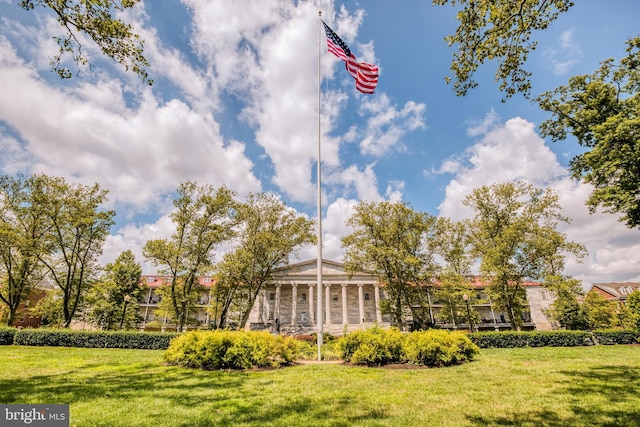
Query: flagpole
x: 319, y: 315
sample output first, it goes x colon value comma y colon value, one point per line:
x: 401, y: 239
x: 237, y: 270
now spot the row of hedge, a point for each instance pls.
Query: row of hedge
x: 90, y: 339
x: 554, y: 338
x: 160, y: 341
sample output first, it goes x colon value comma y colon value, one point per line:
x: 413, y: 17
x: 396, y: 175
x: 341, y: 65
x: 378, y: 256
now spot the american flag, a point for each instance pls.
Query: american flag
x: 366, y: 75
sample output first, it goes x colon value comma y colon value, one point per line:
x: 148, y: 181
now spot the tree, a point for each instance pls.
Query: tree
x: 269, y: 233
x: 602, y: 110
x: 498, y: 30
x: 450, y: 242
x: 514, y: 235
x: 94, y: 18
x: 389, y: 240
x: 633, y: 307
x: 22, y: 226
x: 78, y: 229
x: 204, y: 218
x: 599, y: 311
x: 114, y: 299
x: 565, y: 309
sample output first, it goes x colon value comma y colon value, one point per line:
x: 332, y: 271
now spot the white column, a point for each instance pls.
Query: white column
x: 377, y: 302
x: 327, y: 301
x: 294, y: 304
x: 361, y: 303
x: 345, y: 319
x: 276, y: 310
x: 312, y: 316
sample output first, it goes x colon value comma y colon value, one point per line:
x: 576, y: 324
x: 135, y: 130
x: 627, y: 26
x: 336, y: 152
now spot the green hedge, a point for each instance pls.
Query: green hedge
x: 231, y: 350
x: 94, y: 339
x: 617, y: 336
x: 553, y: 338
x: 7, y: 335
x: 376, y: 347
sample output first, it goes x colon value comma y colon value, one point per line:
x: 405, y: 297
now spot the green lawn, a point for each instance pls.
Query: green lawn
x: 595, y: 386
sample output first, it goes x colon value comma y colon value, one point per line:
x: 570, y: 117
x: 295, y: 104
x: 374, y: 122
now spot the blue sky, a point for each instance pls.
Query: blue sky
x: 235, y: 103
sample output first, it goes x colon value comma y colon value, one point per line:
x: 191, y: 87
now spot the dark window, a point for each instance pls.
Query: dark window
x: 272, y: 296
x: 303, y: 296
x: 366, y: 297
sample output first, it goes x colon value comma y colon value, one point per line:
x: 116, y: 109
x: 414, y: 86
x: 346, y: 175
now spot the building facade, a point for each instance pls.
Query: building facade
x: 288, y: 304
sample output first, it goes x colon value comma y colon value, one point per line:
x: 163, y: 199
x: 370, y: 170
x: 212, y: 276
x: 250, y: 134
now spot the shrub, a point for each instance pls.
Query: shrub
x: 625, y: 336
x: 532, y: 339
x: 438, y: 348
x: 374, y: 346
x: 93, y: 339
x: 231, y: 350
x: 7, y: 336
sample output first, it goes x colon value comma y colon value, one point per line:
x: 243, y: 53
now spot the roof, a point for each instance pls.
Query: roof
x: 615, y: 290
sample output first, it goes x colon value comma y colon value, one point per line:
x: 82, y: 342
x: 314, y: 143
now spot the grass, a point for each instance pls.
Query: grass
x: 596, y: 386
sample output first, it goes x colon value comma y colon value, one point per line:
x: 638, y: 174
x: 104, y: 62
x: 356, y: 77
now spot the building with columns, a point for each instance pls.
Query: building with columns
x: 288, y: 304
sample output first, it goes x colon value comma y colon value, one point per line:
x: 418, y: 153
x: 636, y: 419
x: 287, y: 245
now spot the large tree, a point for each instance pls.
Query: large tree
x: 390, y: 241
x: 602, y: 111
x: 499, y: 30
x: 269, y: 233
x: 78, y: 229
x: 514, y: 234
x: 204, y: 218
x: 565, y: 309
x: 114, y: 300
x: 23, y: 224
x: 97, y: 20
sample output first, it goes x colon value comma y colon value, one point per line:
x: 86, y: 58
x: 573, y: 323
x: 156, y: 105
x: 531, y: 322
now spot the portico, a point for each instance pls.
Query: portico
x: 288, y: 304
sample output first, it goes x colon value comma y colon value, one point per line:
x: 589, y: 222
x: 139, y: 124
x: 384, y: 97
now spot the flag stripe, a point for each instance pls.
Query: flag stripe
x: 365, y: 75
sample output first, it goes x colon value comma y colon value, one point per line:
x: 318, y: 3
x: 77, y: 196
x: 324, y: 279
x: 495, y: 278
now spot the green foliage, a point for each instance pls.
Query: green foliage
x: 221, y: 349
x: 93, y: 339
x: 204, y: 218
x: 514, y: 233
x: 617, y: 336
x: 269, y: 233
x: 602, y: 111
x: 7, y: 335
x: 95, y: 18
x: 565, y: 309
x: 633, y: 306
x: 599, y: 310
x: 438, y: 348
x: 499, y: 30
x: 532, y: 339
x: 389, y: 240
x: 375, y: 347
x: 113, y: 301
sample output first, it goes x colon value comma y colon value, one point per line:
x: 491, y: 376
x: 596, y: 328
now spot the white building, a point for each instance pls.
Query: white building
x: 350, y: 302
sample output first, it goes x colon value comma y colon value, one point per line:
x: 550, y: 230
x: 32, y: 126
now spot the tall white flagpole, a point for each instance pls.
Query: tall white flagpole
x: 319, y: 315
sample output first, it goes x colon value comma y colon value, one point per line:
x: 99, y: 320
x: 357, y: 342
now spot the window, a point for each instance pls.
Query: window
x: 303, y: 296
x: 151, y: 279
x: 272, y: 296
x: 366, y: 297
x: 623, y: 290
x: 335, y: 297
x: 206, y: 280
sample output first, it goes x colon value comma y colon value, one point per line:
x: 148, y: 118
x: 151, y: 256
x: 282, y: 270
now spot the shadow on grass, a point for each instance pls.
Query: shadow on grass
x: 601, y: 396
x: 210, y: 398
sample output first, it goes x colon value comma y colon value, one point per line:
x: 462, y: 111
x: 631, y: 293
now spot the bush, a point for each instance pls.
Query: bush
x: 7, y: 336
x: 439, y: 348
x: 625, y: 336
x: 532, y: 339
x: 231, y: 350
x: 94, y: 339
x: 374, y: 346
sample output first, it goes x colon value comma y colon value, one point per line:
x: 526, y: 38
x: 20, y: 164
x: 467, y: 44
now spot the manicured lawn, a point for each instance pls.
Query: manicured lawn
x: 595, y: 386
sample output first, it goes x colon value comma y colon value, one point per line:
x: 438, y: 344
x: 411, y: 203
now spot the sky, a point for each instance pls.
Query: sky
x: 235, y: 102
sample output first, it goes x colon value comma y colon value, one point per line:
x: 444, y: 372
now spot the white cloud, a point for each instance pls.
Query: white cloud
x: 566, y: 55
